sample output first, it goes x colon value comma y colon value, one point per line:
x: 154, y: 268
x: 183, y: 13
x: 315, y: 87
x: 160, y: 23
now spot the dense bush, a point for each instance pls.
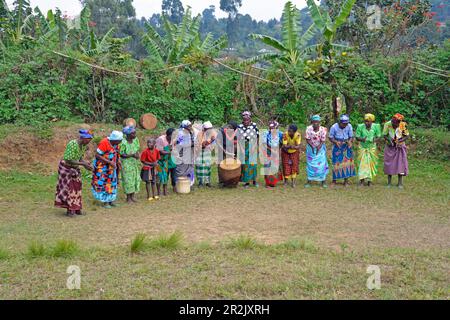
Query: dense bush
x: 40, y: 86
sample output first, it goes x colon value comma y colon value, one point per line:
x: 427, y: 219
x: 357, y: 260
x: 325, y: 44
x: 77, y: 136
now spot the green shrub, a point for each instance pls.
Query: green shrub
x: 36, y: 249
x: 171, y: 241
x: 138, y: 243
x: 243, y: 242
x: 64, y: 249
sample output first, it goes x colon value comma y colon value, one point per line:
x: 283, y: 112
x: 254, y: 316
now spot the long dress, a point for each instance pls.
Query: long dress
x: 342, y: 157
x: 131, y: 167
x: 105, y: 178
x: 367, y: 152
x: 163, y: 166
x: 248, y: 139
x: 291, y: 157
x: 272, y: 158
x: 69, y: 187
x: 396, y: 156
x: 316, y: 163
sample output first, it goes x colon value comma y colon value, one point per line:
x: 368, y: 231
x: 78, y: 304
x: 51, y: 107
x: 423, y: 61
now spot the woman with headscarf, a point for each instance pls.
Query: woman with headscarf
x: 106, y: 169
x: 184, y: 144
x: 341, y: 136
x: 290, y: 154
x: 69, y: 187
x: 316, y: 153
x: 248, y: 138
x: 395, y: 153
x: 272, y: 142
x: 207, y: 138
x: 367, y: 134
x: 131, y: 166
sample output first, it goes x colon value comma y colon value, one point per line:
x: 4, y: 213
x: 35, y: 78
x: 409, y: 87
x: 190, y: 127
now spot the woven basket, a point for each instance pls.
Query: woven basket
x: 230, y: 172
x: 148, y: 121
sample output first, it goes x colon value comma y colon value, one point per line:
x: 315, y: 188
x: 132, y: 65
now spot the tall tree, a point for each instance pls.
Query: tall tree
x: 232, y: 8
x: 173, y: 10
x: 117, y: 14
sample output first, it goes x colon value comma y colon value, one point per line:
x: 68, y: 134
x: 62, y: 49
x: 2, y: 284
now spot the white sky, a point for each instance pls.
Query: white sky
x: 258, y: 9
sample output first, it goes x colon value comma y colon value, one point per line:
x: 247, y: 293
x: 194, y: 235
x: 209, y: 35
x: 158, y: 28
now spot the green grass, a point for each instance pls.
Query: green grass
x: 300, y: 244
x: 138, y: 243
x: 64, y: 249
x: 3, y: 254
x: 36, y: 249
x: 244, y: 242
x: 219, y: 272
x: 167, y: 241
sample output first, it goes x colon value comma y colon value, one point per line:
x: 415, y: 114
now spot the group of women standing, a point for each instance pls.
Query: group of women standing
x: 342, y: 137
x: 119, y: 155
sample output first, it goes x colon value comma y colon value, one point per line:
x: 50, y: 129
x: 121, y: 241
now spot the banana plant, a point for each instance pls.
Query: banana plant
x: 181, y: 42
x: 293, y: 48
x: 324, y: 23
x: 33, y: 27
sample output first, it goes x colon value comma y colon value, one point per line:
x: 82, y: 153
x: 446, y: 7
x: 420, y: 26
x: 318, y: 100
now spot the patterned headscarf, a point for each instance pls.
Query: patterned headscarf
x: 86, y: 134
x: 246, y: 114
x: 129, y: 130
x: 185, y: 124
x: 369, y: 117
x: 398, y: 117
x: 344, y: 119
x: 207, y: 125
x: 316, y: 117
x: 274, y: 124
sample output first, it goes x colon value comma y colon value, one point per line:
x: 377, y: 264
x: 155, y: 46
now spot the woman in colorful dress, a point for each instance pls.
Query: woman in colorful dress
x: 207, y: 138
x: 341, y: 136
x: 248, y: 138
x: 290, y: 154
x: 131, y: 165
x: 106, y: 169
x: 395, y: 153
x: 273, y: 140
x: 367, y: 134
x: 316, y: 153
x: 69, y: 187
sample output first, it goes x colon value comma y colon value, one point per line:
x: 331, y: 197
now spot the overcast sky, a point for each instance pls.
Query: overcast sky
x: 258, y: 9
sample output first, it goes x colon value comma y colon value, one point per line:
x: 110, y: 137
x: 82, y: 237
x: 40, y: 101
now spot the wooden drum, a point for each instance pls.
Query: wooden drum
x: 230, y: 172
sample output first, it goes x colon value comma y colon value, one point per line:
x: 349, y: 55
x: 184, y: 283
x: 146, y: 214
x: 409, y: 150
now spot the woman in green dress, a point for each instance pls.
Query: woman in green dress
x: 367, y: 134
x: 131, y: 165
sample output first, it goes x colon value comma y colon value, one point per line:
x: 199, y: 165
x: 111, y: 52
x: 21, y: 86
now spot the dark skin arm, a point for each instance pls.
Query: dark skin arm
x: 310, y: 144
x: 103, y: 159
x: 82, y: 163
x: 127, y: 156
x: 150, y: 164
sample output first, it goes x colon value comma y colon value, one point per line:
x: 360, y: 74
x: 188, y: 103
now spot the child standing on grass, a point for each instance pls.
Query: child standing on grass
x: 149, y: 174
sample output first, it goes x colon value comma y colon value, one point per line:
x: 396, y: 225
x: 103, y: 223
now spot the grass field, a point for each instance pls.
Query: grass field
x: 235, y: 243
